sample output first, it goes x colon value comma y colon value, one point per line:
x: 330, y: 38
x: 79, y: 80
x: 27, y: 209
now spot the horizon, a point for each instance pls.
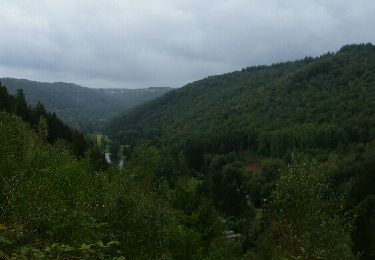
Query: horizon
x: 163, y: 43
x: 73, y: 83
x: 203, y: 77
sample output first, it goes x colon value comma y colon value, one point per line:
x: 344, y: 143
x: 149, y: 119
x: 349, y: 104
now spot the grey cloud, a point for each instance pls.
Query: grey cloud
x: 129, y: 43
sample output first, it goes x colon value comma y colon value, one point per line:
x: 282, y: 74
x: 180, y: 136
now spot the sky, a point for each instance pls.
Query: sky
x: 168, y: 43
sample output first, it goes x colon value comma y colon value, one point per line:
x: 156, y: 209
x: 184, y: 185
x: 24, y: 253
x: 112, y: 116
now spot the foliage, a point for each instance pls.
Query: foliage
x: 47, y: 124
x: 54, y: 205
x: 238, y: 131
x: 217, y: 179
x: 314, y: 104
x: 305, y: 220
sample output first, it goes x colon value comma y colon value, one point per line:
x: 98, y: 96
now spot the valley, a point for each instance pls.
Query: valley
x: 269, y: 162
x: 84, y: 108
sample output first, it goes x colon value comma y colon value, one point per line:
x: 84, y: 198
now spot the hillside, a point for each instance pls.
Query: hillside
x: 59, y: 199
x: 271, y: 162
x: 49, y: 127
x: 79, y: 106
x: 267, y: 109
x: 285, y: 152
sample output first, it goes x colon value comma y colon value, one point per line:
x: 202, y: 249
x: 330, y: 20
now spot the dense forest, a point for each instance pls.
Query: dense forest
x: 271, y: 162
x: 55, y: 204
x: 262, y: 117
x: 81, y: 107
x: 45, y: 123
x: 266, y: 109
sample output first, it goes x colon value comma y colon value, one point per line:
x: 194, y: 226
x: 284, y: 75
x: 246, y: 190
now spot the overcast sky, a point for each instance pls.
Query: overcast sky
x: 139, y: 43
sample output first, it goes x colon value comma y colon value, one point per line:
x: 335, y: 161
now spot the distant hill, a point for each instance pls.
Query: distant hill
x: 306, y: 104
x: 79, y: 106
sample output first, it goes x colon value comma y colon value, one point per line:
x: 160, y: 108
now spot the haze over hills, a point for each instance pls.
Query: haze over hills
x: 80, y: 106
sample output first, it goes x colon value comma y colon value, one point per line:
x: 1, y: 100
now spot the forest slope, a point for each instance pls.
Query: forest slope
x: 80, y: 106
x: 202, y: 201
x: 268, y: 109
x: 321, y: 108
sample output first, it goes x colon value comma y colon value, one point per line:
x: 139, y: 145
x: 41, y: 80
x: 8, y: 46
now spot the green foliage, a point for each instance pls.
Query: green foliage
x: 353, y: 175
x: 313, y: 104
x: 320, y: 107
x: 60, y: 251
x: 259, y: 185
x: 48, y: 126
x: 54, y: 205
x: 225, y: 184
x: 365, y: 227
x: 43, y: 184
x: 306, y: 221
x: 197, y: 225
x: 300, y: 137
x: 142, y: 214
x: 217, y: 180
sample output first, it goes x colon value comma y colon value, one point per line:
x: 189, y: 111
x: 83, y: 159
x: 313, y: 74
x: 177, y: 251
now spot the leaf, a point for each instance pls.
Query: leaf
x: 4, y: 240
x: 3, y: 255
x: 84, y: 247
x: 25, y: 250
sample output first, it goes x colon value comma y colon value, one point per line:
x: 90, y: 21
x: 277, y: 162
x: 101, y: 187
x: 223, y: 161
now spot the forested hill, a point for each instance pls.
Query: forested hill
x: 290, y: 145
x: 311, y: 103
x: 272, y: 162
x: 47, y: 125
x: 80, y: 106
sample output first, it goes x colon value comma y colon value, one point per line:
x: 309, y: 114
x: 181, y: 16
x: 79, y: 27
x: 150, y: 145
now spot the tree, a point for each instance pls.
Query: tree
x: 19, y: 105
x: 5, y: 99
x: 42, y: 129
x: 305, y: 220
